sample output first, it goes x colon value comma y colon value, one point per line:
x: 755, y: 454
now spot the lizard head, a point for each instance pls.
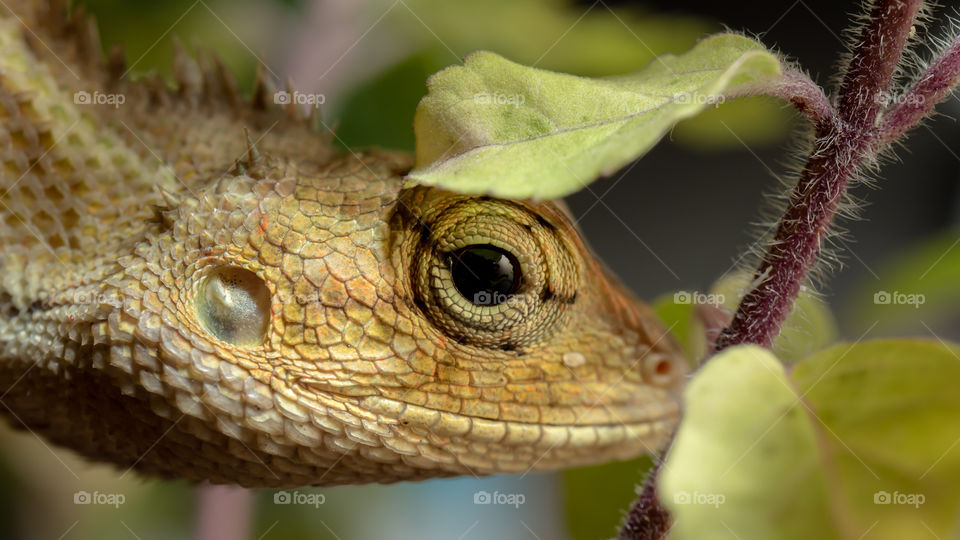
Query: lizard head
x: 179, y: 299
x: 378, y: 333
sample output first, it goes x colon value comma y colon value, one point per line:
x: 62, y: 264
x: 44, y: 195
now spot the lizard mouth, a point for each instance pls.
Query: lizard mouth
x: 512, y: 432
x: 485, y: 446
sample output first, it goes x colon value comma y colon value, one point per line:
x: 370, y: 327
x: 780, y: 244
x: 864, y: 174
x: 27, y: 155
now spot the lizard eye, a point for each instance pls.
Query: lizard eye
x: 491, y: 273
x: 233, y: 305
x: 485, y: 275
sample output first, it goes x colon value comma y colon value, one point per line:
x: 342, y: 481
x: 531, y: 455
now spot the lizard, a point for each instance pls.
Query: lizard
x: 199, y: 285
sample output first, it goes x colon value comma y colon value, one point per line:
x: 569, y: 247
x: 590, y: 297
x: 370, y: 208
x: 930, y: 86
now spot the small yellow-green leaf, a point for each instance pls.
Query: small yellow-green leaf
x: 496, y: 127
x: 745, y: 462
x: 859, y: 441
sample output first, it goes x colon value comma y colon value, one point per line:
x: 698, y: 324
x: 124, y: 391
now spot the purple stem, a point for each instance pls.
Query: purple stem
x: 795, y: 87
x: 222, y: 512
x: 931, y: 87
x: 875, y: 59
x: 647, y: 519
x: 844, y: 139
x: 842, y: 144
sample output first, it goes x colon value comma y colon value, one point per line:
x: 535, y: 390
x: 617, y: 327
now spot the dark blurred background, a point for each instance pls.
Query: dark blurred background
x: 678, y: 219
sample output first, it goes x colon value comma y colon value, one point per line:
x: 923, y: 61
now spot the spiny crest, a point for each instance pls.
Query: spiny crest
x: 204, y: 81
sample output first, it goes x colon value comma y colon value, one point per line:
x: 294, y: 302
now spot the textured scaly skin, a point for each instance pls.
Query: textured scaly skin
x: 371, y: 369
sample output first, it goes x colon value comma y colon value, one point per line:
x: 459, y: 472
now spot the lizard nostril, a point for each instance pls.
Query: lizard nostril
x: 659, y: 369
x: 663, y: 368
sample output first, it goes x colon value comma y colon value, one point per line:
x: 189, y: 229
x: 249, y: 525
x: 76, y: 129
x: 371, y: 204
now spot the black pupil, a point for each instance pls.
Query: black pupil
x: 485, y: 275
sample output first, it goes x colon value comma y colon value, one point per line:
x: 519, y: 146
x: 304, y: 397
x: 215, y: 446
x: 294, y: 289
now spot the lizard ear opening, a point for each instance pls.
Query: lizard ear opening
x: 233, y: 305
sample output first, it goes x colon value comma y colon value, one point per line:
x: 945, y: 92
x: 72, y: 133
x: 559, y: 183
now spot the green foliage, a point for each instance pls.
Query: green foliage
x: 380, y: 111
x: 684, y: 325
x: 144, y: 31
x: 754, y: 122
x: 493, y: 126
x: 857, y: 438
x: 553, y: 34
x: 918, y: 286
x: 595, y: 497
x: 557, y: 35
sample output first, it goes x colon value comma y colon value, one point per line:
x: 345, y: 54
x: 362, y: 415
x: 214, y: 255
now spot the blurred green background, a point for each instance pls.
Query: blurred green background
x: 676, y: 221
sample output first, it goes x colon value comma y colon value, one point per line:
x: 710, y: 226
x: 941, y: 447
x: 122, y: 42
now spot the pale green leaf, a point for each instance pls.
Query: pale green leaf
x: 595, y: 496
x: 860, y: 441
x: 492, y: 126
x: 745, y: 461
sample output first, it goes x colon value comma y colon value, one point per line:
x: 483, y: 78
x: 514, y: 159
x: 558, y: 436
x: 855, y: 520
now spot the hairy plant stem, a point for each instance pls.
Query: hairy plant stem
x: 842, y: 144
x: 222, y: 512
x: 647, y: 518
x: 931, y: 87
x: 845, y: 139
